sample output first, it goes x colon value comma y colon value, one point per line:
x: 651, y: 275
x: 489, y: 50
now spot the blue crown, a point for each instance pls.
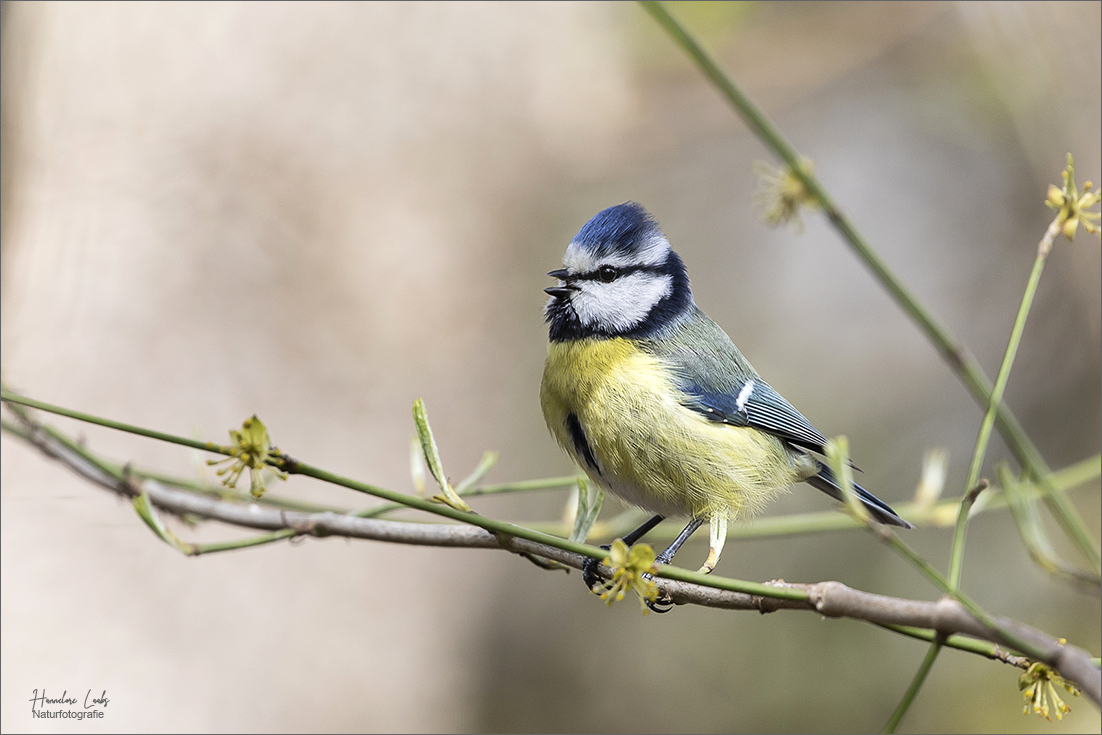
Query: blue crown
x: 620, y: 229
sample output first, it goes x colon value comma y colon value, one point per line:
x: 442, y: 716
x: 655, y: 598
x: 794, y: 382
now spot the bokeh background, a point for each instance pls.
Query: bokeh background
x: 318, y: 212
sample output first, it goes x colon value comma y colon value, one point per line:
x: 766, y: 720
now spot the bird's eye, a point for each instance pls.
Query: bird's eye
x: 607, y: 273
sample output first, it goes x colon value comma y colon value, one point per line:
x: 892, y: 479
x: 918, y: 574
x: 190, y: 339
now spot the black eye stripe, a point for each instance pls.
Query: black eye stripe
x: 621, y: 270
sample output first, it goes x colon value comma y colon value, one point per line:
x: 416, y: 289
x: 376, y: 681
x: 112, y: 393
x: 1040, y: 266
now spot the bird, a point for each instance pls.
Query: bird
x: 655, y: 403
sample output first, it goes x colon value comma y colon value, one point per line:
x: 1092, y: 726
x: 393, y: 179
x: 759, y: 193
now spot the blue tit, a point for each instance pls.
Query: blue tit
x: 654, y: 402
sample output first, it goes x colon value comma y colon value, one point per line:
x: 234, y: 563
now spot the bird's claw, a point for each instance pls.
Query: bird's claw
x: 661, y: 604
x: 589, y: 571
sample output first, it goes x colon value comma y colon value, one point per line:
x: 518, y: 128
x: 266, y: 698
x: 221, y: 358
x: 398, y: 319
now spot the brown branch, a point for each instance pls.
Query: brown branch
x: 832, y: 599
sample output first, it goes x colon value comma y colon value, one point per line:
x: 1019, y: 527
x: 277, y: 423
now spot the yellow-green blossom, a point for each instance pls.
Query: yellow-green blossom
x: 1072, y: 207
x: 781, y: 193
x: 1039, y: 685
x: 631, y: 570
x: 251, y: 450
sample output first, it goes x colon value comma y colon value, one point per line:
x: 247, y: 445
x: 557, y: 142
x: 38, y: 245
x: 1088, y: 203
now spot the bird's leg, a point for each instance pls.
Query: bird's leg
x: 642, y: 531
x: 589, y: 568
x: 667, y: 556
x: 664, y: 604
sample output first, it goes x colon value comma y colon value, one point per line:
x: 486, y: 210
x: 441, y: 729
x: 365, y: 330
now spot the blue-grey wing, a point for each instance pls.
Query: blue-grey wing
x: 719, y: 383
x: 755, y: 403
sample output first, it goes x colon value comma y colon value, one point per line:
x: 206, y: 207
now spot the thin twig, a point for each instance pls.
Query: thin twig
x: 832, y: 599
x: 10, y: 397
x: 1043, y: 249
x: 916, y: 684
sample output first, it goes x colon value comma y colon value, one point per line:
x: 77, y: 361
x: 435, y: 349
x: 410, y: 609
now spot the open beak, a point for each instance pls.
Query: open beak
x: 563, y: 290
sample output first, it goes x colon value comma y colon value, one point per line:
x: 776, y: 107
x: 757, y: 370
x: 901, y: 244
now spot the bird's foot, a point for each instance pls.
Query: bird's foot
x: 661, y: 604
x: 589, y: 572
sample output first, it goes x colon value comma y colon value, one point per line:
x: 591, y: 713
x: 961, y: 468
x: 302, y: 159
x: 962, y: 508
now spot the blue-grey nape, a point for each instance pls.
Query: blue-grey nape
x: 624, y: 229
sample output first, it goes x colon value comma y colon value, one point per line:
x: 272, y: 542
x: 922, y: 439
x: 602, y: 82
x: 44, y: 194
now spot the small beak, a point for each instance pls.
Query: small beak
x: 565, y: 289
x: 561, y: 291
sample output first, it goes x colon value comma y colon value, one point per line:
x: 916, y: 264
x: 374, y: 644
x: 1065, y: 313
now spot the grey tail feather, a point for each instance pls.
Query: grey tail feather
x: 878, y: 509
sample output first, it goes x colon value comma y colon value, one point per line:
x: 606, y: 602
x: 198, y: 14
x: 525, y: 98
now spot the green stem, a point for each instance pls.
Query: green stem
x: 912, y: 690
x: 259, y: 540
x: 63, y: 439
x: 762, y: 126
x: 10, y: 397
x: 954, y: 352
x: 523, y: 485
x: 956, y: 557
x: 1034, y: 537
x: 385, y: 508
x: 293, y: 466
x: 200, y: 488
x: 956, y: 561
x: 960, y: 642
x: 1008, y: 358
x: 924, y: 567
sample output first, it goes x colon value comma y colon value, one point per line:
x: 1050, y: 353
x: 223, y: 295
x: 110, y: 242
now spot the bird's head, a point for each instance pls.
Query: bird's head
x: 619, y: 278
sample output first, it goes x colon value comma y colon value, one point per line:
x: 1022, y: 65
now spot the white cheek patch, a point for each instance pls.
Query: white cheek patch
x: 622, y: 304
x: 653, y: 251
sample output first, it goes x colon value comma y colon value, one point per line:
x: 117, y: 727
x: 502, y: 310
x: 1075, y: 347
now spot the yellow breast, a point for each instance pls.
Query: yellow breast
x: 649, y: 448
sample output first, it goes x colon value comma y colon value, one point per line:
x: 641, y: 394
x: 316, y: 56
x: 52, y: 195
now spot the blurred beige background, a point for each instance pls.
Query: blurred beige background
x: 318, y: 212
